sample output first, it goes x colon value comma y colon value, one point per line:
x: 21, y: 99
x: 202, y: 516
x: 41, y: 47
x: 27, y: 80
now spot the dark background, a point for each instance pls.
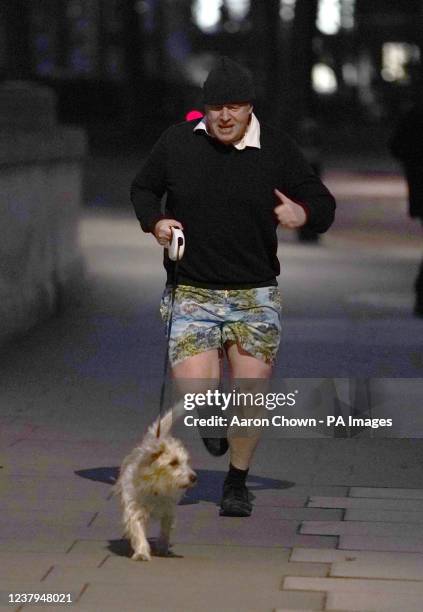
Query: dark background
x: 125, y: 69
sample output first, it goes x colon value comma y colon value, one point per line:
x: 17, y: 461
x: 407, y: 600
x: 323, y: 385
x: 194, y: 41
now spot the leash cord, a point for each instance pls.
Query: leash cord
x: 169, y: 329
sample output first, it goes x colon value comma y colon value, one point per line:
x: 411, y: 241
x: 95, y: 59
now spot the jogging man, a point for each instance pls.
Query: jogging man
x: 230, y: 181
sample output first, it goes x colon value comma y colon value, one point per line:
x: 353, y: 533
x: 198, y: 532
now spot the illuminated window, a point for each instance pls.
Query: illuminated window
x: 323, y: 79
x: 395, y: 58
x: 206, y: 14
x: 238, y: 9
x: 329, y: 16
x: 350, y: 74
x: 348, y: 14
x: 287, y: 10
x: 332, y: 15
x: 198, y: 66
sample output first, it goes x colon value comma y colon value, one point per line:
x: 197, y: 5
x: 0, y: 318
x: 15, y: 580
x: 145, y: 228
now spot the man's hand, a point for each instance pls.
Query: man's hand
x: 289, y: 214
x: 162, y: 230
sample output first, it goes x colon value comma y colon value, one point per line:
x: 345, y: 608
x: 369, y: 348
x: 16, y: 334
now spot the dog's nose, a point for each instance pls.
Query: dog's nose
x: 193, y: 478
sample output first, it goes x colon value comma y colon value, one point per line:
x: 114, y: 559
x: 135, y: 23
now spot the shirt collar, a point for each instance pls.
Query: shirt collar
x: 251, y: 137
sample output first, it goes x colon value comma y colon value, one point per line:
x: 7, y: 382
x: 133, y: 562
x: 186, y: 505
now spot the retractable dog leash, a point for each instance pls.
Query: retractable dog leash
x: 176, y: 250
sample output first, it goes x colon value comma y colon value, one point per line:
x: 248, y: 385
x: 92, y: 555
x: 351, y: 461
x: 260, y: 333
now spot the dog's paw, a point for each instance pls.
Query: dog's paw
x: 141, y: 555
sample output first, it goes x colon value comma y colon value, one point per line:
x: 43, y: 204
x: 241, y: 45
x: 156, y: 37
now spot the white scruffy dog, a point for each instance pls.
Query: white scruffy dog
x: 152, y: 480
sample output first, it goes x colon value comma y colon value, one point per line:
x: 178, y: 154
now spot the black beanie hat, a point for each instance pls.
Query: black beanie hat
x: 228, y: 82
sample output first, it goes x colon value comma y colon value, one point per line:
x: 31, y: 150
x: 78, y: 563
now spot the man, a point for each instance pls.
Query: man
x: 230, y: 180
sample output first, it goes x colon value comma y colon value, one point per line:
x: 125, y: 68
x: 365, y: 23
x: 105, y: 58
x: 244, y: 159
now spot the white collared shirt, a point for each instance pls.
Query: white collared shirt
x: 251, y: 137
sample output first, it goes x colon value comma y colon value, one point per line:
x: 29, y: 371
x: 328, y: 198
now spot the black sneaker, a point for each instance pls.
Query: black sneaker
x: 216, y: 446
x: 235, y: 501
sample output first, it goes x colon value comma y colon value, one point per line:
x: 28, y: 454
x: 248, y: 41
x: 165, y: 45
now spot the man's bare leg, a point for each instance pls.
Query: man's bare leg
x: 245, y: 366
x: 251, y: 374
x: 199, y: 374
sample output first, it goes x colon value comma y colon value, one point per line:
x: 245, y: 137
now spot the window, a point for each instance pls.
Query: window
x: 287, y: 10
x: 44, y: 36
x: 206, y: 14
x: 82, y: 21
x: 323, y: 79
x: 329, y: 16
x: 396, y: 57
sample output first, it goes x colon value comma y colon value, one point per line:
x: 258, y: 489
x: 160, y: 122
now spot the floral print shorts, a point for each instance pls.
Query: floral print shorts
x: 205, y: 319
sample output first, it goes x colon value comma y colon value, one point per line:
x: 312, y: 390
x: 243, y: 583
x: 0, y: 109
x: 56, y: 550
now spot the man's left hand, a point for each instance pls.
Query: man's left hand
x: 289, y: 214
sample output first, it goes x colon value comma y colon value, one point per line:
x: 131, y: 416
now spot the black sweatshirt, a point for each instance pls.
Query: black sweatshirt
x: 225, y: 201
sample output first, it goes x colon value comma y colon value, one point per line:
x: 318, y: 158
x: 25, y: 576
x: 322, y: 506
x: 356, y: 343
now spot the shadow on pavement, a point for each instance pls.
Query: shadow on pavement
x: 208, y: 488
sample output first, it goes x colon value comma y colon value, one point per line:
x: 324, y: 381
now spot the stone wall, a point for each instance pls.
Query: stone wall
x: 40, y: 186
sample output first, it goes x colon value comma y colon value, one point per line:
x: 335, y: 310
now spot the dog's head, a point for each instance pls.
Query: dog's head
x: 169, y: 468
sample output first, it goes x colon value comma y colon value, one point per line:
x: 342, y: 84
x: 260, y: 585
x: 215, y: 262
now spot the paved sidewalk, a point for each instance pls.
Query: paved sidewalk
x: 337, y: 522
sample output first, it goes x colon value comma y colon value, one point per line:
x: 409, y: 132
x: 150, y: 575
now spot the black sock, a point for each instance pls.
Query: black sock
x: 236, y: 476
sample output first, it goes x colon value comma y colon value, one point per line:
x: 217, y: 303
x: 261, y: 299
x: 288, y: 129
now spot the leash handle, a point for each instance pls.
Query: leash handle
x: 176, y: 246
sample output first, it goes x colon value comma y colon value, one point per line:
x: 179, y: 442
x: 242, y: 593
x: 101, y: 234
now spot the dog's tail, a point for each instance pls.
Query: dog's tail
x: 162, y: 426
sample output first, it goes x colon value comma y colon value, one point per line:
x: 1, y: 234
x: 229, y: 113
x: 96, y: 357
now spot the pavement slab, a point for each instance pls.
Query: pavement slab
x: 36, y: 544
x: 298, y: 600
x: 58, y: 504
x: 21, y: 560
x: 353, y: 586
x: 394, y: 571
x: 19, y: 458
x: 41, y: 529
x: 390, y: 516
x: 362, y: 528
x: 386, y: 493
x: 80, y: 547
x: 311, y: 514
x: 49, y: 486
x: 32, y: 572
x: 366, y: 503
x: 237, y: 586
x: 68, y: 517
x: 312, y: 555
x: 391, y: 543
x: 373, y: 602
x: 299, y: 491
